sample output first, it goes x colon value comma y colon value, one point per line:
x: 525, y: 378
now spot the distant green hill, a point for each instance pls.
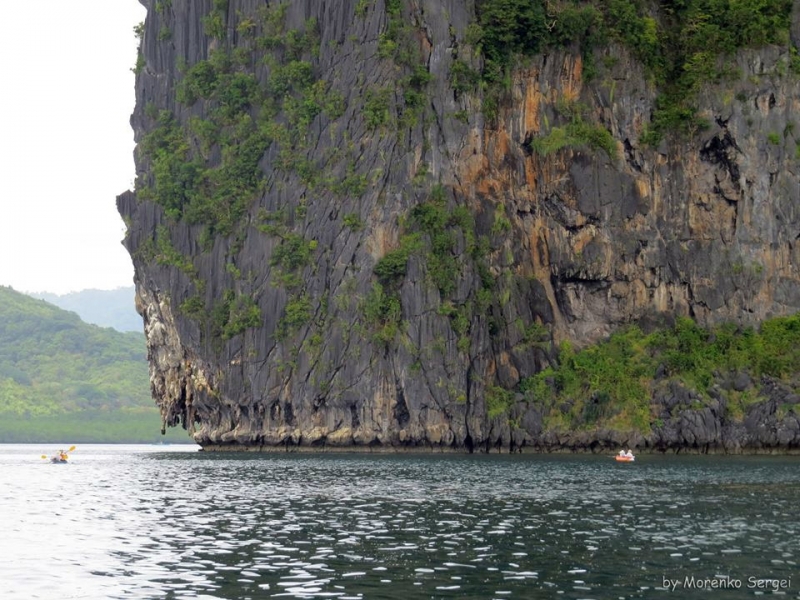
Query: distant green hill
x: 107, y: 308
x: 64, y: 380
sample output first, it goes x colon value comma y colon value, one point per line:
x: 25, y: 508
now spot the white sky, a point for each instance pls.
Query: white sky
x: 66, y: 146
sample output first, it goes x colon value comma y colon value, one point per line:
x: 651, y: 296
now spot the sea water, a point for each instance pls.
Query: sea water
x: 171, y: 522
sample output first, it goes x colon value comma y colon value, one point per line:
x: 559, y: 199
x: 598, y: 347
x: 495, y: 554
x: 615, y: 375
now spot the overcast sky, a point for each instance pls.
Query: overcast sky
x: 66, y: 146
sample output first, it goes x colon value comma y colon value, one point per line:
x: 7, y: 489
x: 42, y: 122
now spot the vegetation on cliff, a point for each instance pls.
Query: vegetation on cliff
x: 209, y: 169
x: 683, y: 44
x: 63, y: 379
x: 611, y: 384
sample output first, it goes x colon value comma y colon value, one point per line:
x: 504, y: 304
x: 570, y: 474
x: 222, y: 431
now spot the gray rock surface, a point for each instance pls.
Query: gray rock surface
x: 575, y: 243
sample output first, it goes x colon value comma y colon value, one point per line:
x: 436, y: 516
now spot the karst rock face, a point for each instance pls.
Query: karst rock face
x: 336, y: 246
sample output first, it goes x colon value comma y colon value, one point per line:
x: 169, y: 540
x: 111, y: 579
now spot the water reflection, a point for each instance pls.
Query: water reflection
x: 188, y: 525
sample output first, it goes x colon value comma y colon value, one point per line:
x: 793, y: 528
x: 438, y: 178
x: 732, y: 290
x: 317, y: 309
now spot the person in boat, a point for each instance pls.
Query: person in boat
x: 628, y: 454
x: 622, y: 453
x: 61, y: 455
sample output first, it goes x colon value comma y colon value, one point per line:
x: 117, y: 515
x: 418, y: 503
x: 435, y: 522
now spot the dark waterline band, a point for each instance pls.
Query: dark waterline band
x: 427, y: 450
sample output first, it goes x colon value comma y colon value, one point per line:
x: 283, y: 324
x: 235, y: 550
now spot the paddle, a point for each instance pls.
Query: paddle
x: 71, y: 448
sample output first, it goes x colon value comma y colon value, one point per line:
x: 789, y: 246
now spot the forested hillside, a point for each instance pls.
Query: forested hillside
x: 61, y: 379
x: 107, y: 308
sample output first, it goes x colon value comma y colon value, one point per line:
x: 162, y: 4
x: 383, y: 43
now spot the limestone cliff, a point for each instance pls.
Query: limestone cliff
x: 336, y: 244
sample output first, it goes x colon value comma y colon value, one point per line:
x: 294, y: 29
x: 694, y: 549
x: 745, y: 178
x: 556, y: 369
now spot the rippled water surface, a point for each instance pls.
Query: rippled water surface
x: 171, y: 522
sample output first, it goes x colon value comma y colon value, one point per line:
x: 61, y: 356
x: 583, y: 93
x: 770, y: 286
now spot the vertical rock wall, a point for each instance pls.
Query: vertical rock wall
x: 532, y: 249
